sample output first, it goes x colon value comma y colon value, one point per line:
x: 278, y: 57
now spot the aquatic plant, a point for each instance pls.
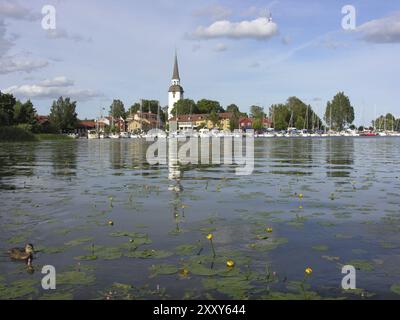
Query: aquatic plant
x: 210, y: 238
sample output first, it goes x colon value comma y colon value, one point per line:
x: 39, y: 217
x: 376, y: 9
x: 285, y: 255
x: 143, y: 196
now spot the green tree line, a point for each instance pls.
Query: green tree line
x: 294, y: 113
x: 386, y: 122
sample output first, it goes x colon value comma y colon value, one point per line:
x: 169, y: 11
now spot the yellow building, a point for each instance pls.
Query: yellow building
x: 144, y: 121
x: 197, y: 121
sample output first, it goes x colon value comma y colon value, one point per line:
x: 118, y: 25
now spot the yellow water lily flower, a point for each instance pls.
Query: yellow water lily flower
x: 309, y: 271
x: 111, y: 223
x: 184, y: 272
x: 269, y: 230
x: 209, y: 237
x: 300, y: 207
x: 230, y: 263
x: 301, y: 196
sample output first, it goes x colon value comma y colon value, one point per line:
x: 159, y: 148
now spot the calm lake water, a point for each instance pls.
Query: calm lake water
x: 329, y: 202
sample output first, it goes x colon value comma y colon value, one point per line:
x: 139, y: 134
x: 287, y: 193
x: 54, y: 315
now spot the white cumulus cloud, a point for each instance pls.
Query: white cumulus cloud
x: 10, y: 65
x: 384, y: 30
x: 13, y: 10
x: 52, y: 89
x: 61, y: 81
x: 259, y: 28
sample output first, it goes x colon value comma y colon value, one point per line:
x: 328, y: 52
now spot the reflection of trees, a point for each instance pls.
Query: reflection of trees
x: 63, y: 156
x: 339, y: 157
x: 16, y: 160
x: 289, y: 156
x: 117, y: 154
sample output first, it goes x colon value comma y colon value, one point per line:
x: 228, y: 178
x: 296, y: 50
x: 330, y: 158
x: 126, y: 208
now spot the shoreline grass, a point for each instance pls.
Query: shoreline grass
x: 16, y: 134
x: 51, y: 137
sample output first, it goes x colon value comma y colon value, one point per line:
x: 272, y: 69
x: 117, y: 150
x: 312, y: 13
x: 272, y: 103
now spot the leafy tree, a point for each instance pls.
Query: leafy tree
x: 185, y: 106
x: 117, y: 109
x: 258, y: 124
x: 387, y: 122
x: 339, y: 112
x: 233, y: 108
x: 257, y: 112
x: 7, y: 102
x: 234, y: 123
x: 152, y: 106
x: 207, y: 106
x: 63, y: 116
x: 299, y: 122
x: 24, y: 113
x: 214, y: 118
x: 280, y: 115
x: 294, y: 113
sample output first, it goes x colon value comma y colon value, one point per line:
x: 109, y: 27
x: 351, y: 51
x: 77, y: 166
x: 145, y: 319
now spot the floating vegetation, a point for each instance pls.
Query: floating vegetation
x: 163, y: 269
x: 102, y: 252
x: 362, y: 265
x: 237, y: 287
x: 122, y: 291
x: 395, y: 288
x: 360, y: 293
x: 59, y: 296
x: 187, y: 249
x: 75, y: 278
x: 268, y: 245
x: 77, y: 242
x: 321, y: 248
x: 307, y: 295
x: 148, y: 254
x: 21, y: 238
x: 135, y: 238
x: 19, y: 289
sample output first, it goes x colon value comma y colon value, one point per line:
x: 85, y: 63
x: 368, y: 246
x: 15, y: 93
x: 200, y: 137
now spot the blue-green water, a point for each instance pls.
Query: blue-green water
x: 329, y: 202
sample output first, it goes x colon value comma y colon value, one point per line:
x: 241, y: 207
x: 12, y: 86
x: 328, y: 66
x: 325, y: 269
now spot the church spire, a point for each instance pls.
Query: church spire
x: 175, y: 76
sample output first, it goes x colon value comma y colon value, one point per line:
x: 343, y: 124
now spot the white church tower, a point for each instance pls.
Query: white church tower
x: 175, y: 92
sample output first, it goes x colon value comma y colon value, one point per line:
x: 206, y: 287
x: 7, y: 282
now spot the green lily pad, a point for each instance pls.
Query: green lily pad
x: 362, y: 265
x: 87, y: 257
x: 19, y: 239
x: 270, y: 244
x: 187, y: 249
x: 75, y: 278
x: 395, y: 288
x: 148, y: 254
x: 237, y: 288
x: 19, y: 289
x: 307, y: 295
x: 57, y: 296
x: 77, y: 242
x: 52, y: 250
x: 163, y: 269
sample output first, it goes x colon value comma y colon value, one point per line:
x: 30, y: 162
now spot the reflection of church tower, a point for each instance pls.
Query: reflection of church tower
x: 175, y: 90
